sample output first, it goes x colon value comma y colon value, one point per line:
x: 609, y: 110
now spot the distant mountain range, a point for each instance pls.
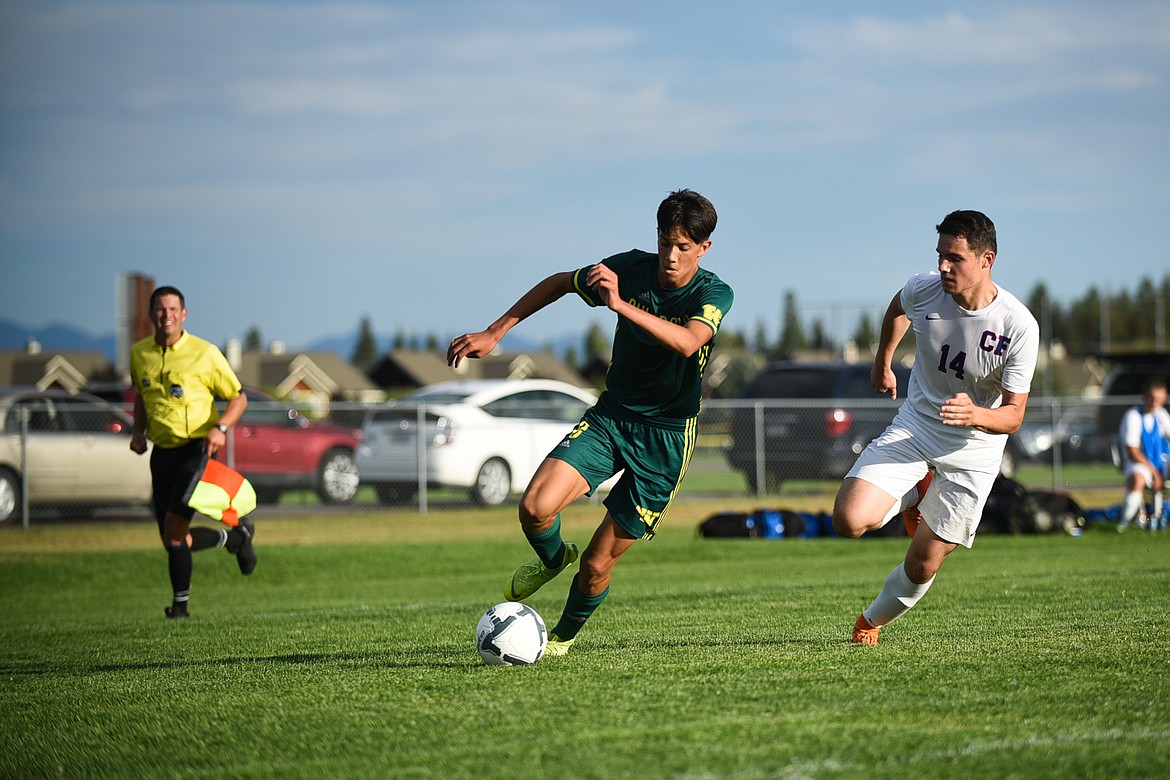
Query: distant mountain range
x: 15, y: 336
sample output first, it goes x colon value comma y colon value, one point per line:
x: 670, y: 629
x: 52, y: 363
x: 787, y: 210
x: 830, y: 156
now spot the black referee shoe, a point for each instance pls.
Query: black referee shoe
x: 177, y: 611
x: 240, y: 544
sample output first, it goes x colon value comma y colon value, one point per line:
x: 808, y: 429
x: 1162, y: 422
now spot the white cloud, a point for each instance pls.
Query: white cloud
x: 295, y: 129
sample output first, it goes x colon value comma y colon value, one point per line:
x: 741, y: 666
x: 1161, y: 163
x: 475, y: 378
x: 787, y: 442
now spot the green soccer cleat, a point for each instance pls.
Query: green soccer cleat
x: 558, y: 647
x: 532, y: 576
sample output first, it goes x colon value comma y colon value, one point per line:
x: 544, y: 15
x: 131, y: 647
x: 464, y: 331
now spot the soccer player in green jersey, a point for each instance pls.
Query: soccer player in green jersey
x: 645, y: 422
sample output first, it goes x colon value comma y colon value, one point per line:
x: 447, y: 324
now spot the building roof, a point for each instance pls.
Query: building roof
x: 404, y: 368
x: 70, y: 370
x: 324, y: 374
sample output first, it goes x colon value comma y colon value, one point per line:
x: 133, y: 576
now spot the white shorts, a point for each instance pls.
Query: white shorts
x: 965, y: 469
x: 1145, y: 471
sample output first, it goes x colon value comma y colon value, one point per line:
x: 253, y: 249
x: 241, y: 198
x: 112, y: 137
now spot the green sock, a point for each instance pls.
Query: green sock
x: 578, y: 608
x: 549, y: 546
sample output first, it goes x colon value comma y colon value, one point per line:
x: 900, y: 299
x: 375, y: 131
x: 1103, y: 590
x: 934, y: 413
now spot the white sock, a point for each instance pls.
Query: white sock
x: 898, y: 595
x: 1131, y: 507
x: 1157, y: 505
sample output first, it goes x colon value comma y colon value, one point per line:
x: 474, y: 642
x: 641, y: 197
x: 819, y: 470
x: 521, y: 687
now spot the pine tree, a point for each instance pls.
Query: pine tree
x: 864, y: 337
x: 366, y: 350
x: 596, y: 343
x: 792, y: 336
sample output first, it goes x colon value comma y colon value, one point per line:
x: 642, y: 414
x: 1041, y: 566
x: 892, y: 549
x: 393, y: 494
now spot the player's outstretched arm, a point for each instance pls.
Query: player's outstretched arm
x: 895, y: 323
x: 475, y: 345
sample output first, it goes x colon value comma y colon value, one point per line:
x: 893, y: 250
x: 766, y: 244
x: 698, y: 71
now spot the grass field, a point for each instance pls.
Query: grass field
x: 349, y: 654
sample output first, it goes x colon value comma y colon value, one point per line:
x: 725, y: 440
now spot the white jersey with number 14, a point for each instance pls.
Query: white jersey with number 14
x: 980, y: 353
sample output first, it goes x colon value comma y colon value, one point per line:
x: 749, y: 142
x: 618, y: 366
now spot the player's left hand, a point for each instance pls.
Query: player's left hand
x: 959, y: 410
x: 604, y: 280
x: 215, y: 441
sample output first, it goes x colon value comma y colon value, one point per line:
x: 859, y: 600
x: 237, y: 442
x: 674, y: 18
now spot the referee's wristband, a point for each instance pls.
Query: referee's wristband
x: 222, y: 428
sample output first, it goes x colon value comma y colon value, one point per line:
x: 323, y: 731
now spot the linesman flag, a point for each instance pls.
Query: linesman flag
x: 220, y: 493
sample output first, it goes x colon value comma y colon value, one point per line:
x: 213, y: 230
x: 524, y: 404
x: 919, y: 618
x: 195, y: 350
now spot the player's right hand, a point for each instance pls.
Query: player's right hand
x: 883, y: 380
x: 470, y: 345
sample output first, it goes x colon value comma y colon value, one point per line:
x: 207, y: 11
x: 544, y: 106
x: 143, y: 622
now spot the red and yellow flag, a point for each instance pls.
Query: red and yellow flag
x: 221, y: 493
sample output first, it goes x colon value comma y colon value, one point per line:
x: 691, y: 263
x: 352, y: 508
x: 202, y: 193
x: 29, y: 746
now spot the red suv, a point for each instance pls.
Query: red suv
x: 277, y: 449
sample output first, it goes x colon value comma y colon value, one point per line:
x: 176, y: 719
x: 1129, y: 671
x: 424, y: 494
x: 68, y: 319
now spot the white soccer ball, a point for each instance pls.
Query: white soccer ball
x: 510, y: 634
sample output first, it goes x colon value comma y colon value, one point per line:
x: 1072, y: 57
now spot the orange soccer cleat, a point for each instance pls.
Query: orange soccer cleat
x: 864, y: 633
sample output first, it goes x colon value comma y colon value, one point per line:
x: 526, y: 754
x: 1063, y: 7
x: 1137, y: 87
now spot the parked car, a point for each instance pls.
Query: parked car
x: 279, y: 449
x: 486, y: 436
x: 1122, y: 389
x: 1075, y: 430
x: 816, y: 418
x: 78, y: 453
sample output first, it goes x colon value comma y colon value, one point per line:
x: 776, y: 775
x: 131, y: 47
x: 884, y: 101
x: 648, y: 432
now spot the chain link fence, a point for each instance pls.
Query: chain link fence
x: 65, y: 458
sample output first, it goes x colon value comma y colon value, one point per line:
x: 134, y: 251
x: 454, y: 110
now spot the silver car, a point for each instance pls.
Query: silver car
x: 77, y: 451
x: 486, y: 436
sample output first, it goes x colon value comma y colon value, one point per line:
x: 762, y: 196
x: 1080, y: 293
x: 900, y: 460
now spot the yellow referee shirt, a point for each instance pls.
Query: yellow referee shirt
x: 179, y: 386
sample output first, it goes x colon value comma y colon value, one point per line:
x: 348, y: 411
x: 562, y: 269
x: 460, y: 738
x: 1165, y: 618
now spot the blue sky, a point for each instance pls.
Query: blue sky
x: 297, y: 166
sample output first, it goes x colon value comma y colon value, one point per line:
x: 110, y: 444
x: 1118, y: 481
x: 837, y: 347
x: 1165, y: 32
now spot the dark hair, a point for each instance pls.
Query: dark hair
x: 161, y: 291
x: 690, y: 211
x: 973, y: 226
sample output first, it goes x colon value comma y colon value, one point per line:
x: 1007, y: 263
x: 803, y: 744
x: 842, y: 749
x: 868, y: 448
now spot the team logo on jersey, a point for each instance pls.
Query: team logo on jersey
x: 994, y: 342
x: 712, y: 314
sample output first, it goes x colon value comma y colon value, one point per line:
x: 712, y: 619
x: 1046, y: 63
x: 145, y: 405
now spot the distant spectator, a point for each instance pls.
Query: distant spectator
x: 1145, y: 449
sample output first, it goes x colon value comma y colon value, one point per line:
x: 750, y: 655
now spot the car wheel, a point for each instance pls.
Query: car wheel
x: 9, y: 495
x: 337, y: 477
x: 493, y: 483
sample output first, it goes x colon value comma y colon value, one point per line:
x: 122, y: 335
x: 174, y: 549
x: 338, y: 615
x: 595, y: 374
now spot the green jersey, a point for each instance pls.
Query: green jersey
x: 645, y: 377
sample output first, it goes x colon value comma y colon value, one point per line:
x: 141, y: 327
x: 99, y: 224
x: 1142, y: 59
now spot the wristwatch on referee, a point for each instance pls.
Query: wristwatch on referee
x: 222, y: 428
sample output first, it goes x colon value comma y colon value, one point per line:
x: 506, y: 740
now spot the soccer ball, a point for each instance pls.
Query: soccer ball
x: 510, y: 634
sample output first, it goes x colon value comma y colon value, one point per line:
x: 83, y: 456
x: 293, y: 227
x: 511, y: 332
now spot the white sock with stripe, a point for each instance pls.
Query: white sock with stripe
x: 898, y: 595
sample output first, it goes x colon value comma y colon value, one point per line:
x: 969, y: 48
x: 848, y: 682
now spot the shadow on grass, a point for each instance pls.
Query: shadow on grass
x: 418, y: 660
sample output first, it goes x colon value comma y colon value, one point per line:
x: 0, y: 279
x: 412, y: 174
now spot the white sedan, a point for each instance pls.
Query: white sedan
x: 487, y: 436
x: 77, y: 451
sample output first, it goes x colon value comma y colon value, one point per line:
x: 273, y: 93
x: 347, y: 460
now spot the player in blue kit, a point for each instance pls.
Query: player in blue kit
x: 646, y: 420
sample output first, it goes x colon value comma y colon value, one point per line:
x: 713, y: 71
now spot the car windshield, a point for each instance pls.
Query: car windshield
x: 438, y: 396
x: 795, y: 383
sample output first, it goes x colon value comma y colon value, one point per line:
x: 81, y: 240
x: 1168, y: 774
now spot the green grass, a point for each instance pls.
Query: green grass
x: 349, y: 654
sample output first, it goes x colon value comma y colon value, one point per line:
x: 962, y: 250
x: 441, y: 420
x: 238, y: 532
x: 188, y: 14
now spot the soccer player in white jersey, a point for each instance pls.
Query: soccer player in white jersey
x: 975, y: 354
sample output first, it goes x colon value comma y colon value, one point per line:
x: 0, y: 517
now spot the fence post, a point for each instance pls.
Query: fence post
x: 24, y: 467
x: 421, y: 445
x: 231, y: 448
x: 761, y: 484
x: 1058, y: 437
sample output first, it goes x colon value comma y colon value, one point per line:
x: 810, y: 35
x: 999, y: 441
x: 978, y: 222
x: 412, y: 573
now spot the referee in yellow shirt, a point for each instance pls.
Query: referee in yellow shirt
x: 177, y: 378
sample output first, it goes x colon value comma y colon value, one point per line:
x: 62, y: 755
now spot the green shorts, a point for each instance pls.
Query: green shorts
x: 654, y: 455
